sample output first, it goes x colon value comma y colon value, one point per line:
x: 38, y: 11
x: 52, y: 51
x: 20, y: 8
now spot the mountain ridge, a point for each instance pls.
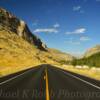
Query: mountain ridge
x: 90, y: 58
x: 92, y: 51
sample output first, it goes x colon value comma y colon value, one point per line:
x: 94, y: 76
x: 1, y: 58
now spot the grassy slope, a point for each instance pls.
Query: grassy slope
x: 16, y: 52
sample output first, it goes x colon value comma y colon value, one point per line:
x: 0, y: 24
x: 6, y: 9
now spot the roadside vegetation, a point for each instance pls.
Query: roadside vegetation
x: 87, y: 66
x: 93, y: 60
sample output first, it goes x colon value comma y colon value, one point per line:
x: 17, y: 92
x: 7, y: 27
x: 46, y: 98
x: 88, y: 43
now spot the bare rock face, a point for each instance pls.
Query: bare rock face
x: 12, y: 23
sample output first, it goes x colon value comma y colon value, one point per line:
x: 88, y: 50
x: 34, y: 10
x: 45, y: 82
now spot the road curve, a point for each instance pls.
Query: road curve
x: 47, y: 82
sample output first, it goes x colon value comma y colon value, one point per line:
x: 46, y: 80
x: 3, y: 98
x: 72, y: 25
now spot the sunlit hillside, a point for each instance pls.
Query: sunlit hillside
x: 15, y: 51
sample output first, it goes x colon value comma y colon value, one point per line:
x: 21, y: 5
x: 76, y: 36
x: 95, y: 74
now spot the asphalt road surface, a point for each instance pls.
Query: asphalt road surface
x: 47, y: 82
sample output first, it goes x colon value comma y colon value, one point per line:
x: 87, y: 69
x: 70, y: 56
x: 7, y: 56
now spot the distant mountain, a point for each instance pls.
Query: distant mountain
x: 91, y: 61
x: 91, y: 58
x: 60, y: 56
x: 92, y: 51
x: 12, y: 23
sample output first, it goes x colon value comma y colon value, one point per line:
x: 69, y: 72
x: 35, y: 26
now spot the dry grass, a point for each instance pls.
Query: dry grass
x: 15, y: 53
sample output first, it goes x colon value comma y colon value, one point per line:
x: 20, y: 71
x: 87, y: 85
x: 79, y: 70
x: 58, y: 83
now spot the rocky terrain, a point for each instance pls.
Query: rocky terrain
x: 12, y: 23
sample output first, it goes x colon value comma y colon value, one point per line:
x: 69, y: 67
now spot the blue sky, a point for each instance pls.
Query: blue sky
x: 72, y: 26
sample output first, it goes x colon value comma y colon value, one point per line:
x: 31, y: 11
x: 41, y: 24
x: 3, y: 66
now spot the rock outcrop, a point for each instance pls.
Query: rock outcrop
x: 12, y: 23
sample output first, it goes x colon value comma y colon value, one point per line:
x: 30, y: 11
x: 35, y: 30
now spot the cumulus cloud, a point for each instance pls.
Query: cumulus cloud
x: 56, y: 25
x: 84, y: 38
x: 78, y: 41
x: 77, y: 31
x: 46, y: 30
x: 76, y: 8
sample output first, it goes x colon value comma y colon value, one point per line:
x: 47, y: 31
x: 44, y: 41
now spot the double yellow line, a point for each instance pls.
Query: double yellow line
x: 47, y: 85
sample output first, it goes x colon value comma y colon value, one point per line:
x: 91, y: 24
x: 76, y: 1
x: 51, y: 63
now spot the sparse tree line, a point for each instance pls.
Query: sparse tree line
x: 93, y: 60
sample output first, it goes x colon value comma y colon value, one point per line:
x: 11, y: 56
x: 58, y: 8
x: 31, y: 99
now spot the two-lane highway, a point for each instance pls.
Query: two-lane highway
x: 29, y: 85
x: 47, y: 82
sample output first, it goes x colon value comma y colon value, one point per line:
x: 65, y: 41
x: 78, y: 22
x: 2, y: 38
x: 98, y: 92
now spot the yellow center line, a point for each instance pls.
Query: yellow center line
x: 47, y: 86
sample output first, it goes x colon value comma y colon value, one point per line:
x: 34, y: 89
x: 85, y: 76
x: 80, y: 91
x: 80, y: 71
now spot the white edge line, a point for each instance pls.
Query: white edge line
x: 14, y: 77
x: 81, y: 79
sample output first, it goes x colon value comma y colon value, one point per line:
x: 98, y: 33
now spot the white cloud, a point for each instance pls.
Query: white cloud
x: 73, y: 42
x: 76, y: 8
x: 46, y: 30
x: 77, y: 31
x: 84, y: 38
x: 56, y: 25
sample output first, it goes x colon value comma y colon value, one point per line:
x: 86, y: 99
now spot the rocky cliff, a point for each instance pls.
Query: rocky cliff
x: 12, y: 23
